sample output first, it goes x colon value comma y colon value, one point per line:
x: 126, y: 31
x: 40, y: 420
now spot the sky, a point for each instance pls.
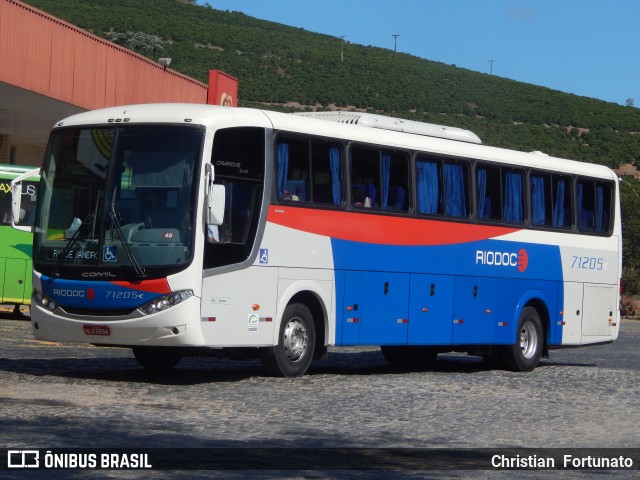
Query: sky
x: 585, y: 47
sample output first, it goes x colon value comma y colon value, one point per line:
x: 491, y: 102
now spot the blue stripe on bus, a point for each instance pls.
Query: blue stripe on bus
x: 496, y: 258
x: 96, y: 294
x: 413, y: 295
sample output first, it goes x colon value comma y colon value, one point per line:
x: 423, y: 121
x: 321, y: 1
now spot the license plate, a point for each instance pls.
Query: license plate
x: 97, y: 330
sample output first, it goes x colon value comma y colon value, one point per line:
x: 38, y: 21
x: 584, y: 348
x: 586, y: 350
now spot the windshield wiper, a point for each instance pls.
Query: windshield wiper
x: 140, y: 272
x: 72, y: 241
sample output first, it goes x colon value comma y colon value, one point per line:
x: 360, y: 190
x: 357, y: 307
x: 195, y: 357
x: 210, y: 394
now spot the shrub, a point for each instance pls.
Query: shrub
x: 139, y: 42
x: 628, y: 306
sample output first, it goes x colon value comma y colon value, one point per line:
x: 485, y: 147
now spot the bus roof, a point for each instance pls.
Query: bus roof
x: 11, y: 171
x: 214, y: 116
x: 396, y: 124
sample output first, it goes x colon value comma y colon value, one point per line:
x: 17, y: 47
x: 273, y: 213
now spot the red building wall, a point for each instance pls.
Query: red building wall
x: 43, y: 54
x: 223, y: 89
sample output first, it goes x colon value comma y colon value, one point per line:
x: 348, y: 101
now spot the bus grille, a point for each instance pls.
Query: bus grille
x: 88, y: 312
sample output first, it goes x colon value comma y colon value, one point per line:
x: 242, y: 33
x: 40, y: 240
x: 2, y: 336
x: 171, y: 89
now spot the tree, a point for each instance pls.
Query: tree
x: 139, y: 42
x: 629, y: 102
x: 630, y: 199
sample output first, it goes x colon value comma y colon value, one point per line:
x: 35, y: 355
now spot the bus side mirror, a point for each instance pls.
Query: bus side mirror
x: 214, y: 199
x: 17, y: 213
x: 16, y: 197
x: 215, y: 205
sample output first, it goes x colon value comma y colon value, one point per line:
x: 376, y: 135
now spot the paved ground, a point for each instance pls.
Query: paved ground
x: 78, y: 396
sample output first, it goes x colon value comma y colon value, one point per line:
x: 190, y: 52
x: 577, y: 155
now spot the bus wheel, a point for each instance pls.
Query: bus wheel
x: 525, y: 354
x: 296, y: 340
x: 409, y: 357
x: 156, y: 359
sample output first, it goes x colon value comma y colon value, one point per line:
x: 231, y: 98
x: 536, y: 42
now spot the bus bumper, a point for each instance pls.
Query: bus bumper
x: 175, y: 326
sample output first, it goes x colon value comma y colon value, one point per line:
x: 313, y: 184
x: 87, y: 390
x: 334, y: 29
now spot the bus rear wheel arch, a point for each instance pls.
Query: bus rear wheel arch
x: 524, y: 355
x: 293, y: 353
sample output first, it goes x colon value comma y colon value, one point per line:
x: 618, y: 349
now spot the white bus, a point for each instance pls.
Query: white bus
x: 180, y: 230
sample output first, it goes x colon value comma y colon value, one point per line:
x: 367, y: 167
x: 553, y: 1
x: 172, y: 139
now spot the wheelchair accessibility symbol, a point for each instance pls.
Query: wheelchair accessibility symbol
x: 264, y: 255
x: 109, y: 253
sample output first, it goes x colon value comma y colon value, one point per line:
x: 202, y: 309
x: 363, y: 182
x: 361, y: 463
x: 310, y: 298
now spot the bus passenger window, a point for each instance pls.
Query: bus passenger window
x: 381, y: 177
x: 326, y: 173
x: 488, y: 195
x: 594, y: 204
x: 562, y: 205
x: 513, y: 196
x: 456, y: 188
x: 394, y: 181
x: 540, y: 186
x: 365, y: 176
x: 309, y: 171
x: 293, y: 170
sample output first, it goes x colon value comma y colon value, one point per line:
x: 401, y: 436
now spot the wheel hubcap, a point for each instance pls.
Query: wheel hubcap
x: 528, y: 340
x: 295, y: 340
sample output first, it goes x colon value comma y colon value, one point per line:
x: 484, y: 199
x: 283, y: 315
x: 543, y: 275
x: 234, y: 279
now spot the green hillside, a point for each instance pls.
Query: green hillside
x: 277, y: 64
x: 287, y: 68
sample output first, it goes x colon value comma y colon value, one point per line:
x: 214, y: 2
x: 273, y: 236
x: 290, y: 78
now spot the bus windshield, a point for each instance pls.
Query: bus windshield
x: 120, y: 198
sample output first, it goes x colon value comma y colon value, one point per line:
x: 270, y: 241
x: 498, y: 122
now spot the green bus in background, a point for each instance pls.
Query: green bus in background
x: 16, y: 245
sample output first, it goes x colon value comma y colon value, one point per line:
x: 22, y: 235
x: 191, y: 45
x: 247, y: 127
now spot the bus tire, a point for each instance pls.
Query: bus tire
x: 292, y: 355
x: 524, y: 355
x: 409, y: 357
x: 156, y: 359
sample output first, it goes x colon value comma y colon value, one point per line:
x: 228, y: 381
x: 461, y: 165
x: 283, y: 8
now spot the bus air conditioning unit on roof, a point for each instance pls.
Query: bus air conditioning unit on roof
x: 395, y: 124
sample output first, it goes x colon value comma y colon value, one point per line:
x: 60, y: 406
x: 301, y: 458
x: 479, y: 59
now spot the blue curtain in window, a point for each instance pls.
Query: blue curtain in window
x: 455, y: 199
x: 481, y: 178
x: 283, y: 168
x: 427, y: 178
x: 538, y: 212
x: 386, y: 174
x: 513, y: 197
x: 334, y: 164
x: 558, y: 204
x: 601, y: 224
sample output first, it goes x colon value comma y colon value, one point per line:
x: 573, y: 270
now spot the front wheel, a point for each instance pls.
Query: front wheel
x: 156, y: 359
x: 525, y: 354
x: 296, y: 341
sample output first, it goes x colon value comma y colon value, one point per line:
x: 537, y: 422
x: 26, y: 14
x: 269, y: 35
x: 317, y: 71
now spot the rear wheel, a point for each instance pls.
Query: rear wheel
x: 409, y: 357
x: 156, y: 359
x: 296, y: 341
x: 525, y: 354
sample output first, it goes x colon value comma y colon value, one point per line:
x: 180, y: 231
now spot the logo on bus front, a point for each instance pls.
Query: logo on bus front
x: 519, y: 260
x: 89, y: 293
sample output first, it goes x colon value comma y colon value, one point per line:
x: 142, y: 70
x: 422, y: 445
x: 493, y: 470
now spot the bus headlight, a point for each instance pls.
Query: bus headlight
x: 44, y: 301
x: 166, y: 301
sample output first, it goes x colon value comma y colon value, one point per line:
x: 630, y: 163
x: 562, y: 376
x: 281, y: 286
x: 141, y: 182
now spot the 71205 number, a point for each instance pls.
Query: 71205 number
x: 588, y: 263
